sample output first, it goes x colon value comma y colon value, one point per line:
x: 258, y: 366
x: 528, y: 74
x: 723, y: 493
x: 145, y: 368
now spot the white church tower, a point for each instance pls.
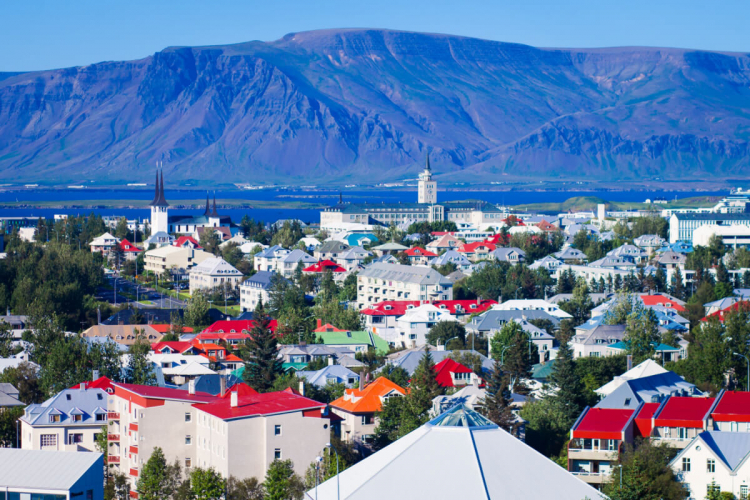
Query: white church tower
x: 427, y: 191
x: 159, y: 208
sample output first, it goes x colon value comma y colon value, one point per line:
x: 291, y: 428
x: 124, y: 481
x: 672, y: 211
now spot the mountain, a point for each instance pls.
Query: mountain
x: 363, y: 105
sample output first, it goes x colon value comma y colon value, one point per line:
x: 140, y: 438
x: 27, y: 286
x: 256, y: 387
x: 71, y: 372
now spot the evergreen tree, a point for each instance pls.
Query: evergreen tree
x: 261, y: 358
x: 646, y: 475
x: 245, y: 489
x: 207, y: 484
x: 140, y: 370
x: 196, y: 314
x: 496, y: 403
x: 660, y: 280
x: 642, y: 334
x: 152, y: 480
x: 282, y: 483
x: 121, y: 230
x: 570, y: 389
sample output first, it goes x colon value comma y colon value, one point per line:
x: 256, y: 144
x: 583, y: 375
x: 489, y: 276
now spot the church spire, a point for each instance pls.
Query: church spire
x: 427, y: 162
x: 161, y: 201
x: 207, y: 212
x: 156, y: 190
x: 214, y: 213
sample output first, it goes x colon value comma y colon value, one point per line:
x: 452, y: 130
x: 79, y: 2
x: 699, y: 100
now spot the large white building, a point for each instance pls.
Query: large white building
x: 427, y: 188
x: 682, y: 225
x: 164, y: 258
x: 213, y: 273
x: 735, y: 235
x: 379, y: 281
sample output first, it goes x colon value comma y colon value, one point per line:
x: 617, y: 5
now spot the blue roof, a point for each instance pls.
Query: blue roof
x: 730, y: 447
x: 90, y: 402
x: 355, y: 239
x: 651, y: 389
x: 461, y: 416
x: 624, y: 345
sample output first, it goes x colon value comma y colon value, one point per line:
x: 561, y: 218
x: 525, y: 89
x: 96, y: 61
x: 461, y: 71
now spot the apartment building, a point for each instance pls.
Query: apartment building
x: 238, y: 433
x: 414, y: 325
x: 358, y: 408
x: 683, y: 225
x: 161, y: 259
x: 69, y: 421
x: 282, y: 260
x: 380, y: 281
x: 213, y: 273
x: 255, y: 289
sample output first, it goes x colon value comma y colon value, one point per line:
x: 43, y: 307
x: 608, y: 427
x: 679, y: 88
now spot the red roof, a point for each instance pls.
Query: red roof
x: 153, y: 392
x: 498, y: 239
x: 327, y: 328
x: 242, y: 389
x: 733, y: 406
x: 234, y: 326
x: 399, y: 307
x: 546, y: 226
x: 643, y: 419
x: 684, y: 412
x: 126, y: 246
x: 174, y: 346
x: 102, y: 383
x: 472, y: 247
x: 324, y: 266
x: 419, y: 252
x: 444, y: 369
x: 165, y: 328
x: 251, y: 405
x: 442, y: 233
x: 602, y: 423
x: 661, y: 300
x: 183, y: 241
x: 742, y: 305
x: 516, y: 220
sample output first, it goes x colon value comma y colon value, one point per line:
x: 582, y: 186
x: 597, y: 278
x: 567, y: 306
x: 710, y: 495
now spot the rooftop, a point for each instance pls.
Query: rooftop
x: 253, y: 405
x: 684, y: 412
x: 45, y: 470
x: 602, y: 423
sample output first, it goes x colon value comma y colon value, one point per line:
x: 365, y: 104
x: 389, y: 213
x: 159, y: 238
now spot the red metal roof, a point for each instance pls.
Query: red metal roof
x: 324, y: 266
x: 733, y: 406
x: 234, y: 326
x: 602, y: 423
x: 153, y: 392
x: 419, y: 252
x: 742, y: 305
x: 126, y: 246
x: 684, y: 412
x: 102, y: 383
x: 661, y: 300
x: 164, y: 328
x: 643, y: 418
x: 252, y: 405
x: 472, y: 247
x: 174, y: 346
x: 399, y: 307
x: 242, y: 389
x: 444, y: 369
x: 182, y: 240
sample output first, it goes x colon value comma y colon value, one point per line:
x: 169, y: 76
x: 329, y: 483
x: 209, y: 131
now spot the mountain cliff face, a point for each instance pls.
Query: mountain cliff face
x: 365, y: 106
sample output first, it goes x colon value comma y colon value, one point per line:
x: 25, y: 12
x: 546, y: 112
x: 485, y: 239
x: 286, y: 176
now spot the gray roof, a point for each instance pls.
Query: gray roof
x: 399, y: 272
x: 9, y: 396
x: 332, y: 246
x: 261, y: 279
x: 46, y: 470
x: 562, y: 297
x: 334, y: 373
x: 297, y: 255
x: 494, y: 319
x: 450, y: 256
x: 410, y: 360
x: 502, y: 253
x: 570, y: 253
x: 608, y: 333
x: 390, y: 246
x: 87, y: 402
x: 270, y: 252
x: 730, y: 447
x: 651, y: 389
x: 354, y: 253
x: 614, y: 262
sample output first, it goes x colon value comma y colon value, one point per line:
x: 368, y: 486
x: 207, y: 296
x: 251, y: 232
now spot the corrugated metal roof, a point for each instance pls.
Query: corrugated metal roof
x: 52, y: 470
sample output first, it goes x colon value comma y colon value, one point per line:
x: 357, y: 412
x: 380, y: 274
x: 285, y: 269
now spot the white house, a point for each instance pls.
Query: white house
x: 212, y: 273
x: 103, y: 243
x: 532, y: 305
x: 414, y: 325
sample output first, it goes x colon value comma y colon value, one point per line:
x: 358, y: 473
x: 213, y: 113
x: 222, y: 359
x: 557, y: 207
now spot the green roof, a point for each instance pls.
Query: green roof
x: 622, y: 345
x: 543, y: 371
x: 294, y: 366
x: 355, y: 338
x: 239, y: 372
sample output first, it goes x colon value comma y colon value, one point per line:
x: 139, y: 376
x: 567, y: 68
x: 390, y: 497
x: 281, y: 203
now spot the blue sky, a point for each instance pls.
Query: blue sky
x: 45, y: 34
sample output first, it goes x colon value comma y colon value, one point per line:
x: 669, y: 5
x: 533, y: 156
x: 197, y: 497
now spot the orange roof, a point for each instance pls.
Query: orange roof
x: 164, y: 328
x: 368, y: 399
x: 327, y: 328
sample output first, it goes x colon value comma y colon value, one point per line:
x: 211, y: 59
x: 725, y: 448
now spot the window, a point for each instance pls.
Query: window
x: 48, y: 440
x: 277, y: 454
x: 54, y: 418
x: 277, y: 430
x: 743, y: 492
x: 367, y: 420
x: 99, y: 397
x: 77, y: 418
x: 75, y: 438
x: 188, y: 417
x: 101, y: 417
x: 685, y: 464
x: 188, y: 439
x: 627, y: 401
x: 611, y: 445
x: 188, y: 463
x: 710, y: 465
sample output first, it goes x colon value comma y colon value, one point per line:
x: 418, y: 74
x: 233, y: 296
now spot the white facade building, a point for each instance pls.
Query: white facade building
x: 415, y: 324
x: 379, y: 282
x: 213, y: 273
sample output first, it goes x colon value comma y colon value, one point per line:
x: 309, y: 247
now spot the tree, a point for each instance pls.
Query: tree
x: 117, y: 487
x: 443, y: 331
x: 282, y: 483
x: 496, y: 403
x: 261, y: 356
x: 25, y: 378
x: 580, y: 305
x: 152, y: 481
x: 196, y: 314
x: 677, y: 287
x: 102, y: 443
x: 646, y: 475
x: 569, y: 389
x: 245, y: 489
x: 207, y: 484
x: 513, y: 346
x: 642, y: 334
x: 8, y: 426
x: 395, y: 374
x: 6, y: 340
x: 547, y: 428
x: 140, y: 370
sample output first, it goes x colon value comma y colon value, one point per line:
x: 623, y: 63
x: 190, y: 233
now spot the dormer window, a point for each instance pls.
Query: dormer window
x: 53, y: 419
x: 77, y: 418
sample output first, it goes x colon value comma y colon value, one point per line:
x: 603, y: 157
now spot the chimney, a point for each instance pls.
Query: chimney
x: 223, y: 385
x: 319, y: 323
x: 479, y: 301
x: 302, y: 387
x: 191, y: 386
x: 330, y: 360
x: 361, y: 380
x: 233, y: 399
x: 83, y: 386
x: 95, y: 375
x: 630, y: 361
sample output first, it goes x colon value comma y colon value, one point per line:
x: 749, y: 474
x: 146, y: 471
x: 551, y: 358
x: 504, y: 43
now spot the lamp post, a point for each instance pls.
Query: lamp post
x: 502, y: 355
x: 747, y: 381
x: 338, y: 484
x: 446, y: 342
x: 317, y: 474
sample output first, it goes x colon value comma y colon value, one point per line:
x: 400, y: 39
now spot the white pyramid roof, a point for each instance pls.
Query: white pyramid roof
x: 458, y: 455
x: 645, y: 369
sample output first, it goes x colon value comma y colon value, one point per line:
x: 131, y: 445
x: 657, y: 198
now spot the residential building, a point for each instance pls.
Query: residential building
x: 129, y: 251
x: 570, y: 255
x: 650, y: 242
x: 186, y: 241
x: 644, y: 369
x: 532, y: 305
x: 594, y: 342
x: 445, y: 242
x: 389, y: 248
x: 384, y: 315
x: 256, y: 289
x: 455, y: 453
x: 714, y: 458
x: 103, y: 243
x: 455, y: 258
x: 330, y: 250
x: 214, y: 273
x: 323, y: 267
x: 166, y: 257
x: 378, y: 282
x: 281, y: 260
x: 680, y: 419
x: 419, y: 256
x: 477, y: 251
x: 71, y: 420
x: 489, y: 322
x: 356, y: 341
x: 331, y: 374
x: 548, y: 262
x: 409, y: 359
x: 414, y: 325
x: 450, y: 373
x: 511, y: 255
x: 123, y: 334
x: 302, y: 354
x: 9, y: 396
x: 51, y: 475
x: 359, y: 407
x: 651, y: 389
x: 159, y: 239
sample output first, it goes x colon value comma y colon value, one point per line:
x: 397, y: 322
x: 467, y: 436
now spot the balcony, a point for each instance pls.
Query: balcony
x: 672, y: 442
x: 591, y: 454
x: 593, y: 477
x: 134, y: 472
x: 134, y: 450
x: 113, y: 415
x: 113, y: 460
x: 134, y: 427
x: 113, y: 437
